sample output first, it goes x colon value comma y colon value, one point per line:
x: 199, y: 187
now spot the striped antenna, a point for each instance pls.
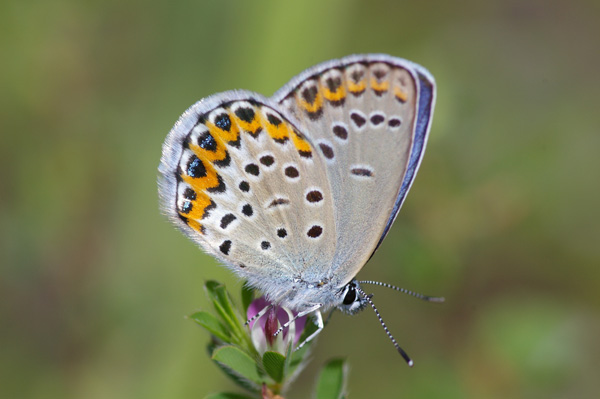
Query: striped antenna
x: 389, y: 334
x: 427, y: 298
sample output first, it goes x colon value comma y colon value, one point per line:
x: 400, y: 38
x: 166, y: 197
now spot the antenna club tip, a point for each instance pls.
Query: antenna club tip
x: 410, y: 363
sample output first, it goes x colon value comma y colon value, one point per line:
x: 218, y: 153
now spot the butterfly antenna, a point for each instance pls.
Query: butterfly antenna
x: 389, y: 334
x: 427, y: 298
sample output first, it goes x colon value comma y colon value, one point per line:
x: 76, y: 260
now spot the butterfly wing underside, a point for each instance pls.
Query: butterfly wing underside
x: 246, y: 185
x: 305, y: 185
x: 369, y: 117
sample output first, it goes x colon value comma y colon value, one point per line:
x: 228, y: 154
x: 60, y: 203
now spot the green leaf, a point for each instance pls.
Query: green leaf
x: 287, y: 369
x: 212, y: 324
x: 247, y: 297
x: 239, y: 362
x: 241, y: 382
x: 227, y: 395
x: 274, y: 363
x: 332, y: 381
x: 224, y: 307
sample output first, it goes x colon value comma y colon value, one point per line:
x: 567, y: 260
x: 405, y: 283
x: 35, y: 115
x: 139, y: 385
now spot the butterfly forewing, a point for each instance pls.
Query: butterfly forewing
x: 246, y: 184
x: 360, y: 112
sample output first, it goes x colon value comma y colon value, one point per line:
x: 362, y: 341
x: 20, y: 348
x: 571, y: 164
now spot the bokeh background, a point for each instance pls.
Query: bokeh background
x: 502, y: 219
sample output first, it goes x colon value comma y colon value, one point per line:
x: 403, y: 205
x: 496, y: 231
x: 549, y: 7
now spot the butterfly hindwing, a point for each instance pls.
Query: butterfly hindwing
x: 369, y: 119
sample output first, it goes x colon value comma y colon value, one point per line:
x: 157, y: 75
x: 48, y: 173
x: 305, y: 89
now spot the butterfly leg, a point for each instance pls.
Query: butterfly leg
x: 313, y: 308
x: 258, y: 315
x: 320, y: 325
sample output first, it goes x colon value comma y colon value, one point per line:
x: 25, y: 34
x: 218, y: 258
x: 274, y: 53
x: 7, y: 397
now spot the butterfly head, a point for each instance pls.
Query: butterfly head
x: 352, y: 301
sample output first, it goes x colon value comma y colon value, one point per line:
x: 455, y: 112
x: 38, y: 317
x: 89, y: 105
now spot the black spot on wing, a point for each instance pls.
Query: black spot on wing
x: 225, y: 247
x: 315, y: 231
x: 227, y: 219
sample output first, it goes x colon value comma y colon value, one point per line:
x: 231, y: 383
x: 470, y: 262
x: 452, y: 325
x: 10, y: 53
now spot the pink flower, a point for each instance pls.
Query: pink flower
x: 262, y: 330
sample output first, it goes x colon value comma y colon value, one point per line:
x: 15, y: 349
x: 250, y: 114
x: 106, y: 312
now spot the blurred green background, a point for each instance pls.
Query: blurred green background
x: 502, y: 219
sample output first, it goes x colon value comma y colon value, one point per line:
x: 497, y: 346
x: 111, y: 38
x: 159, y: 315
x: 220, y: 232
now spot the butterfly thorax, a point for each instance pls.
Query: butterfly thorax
x: 300, y: 294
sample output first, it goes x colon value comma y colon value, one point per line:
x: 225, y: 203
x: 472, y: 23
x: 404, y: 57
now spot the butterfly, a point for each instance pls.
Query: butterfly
x: 294, y: 193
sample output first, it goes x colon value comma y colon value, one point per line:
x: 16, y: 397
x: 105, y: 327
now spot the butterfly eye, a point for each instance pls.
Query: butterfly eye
x: 350, y: 296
